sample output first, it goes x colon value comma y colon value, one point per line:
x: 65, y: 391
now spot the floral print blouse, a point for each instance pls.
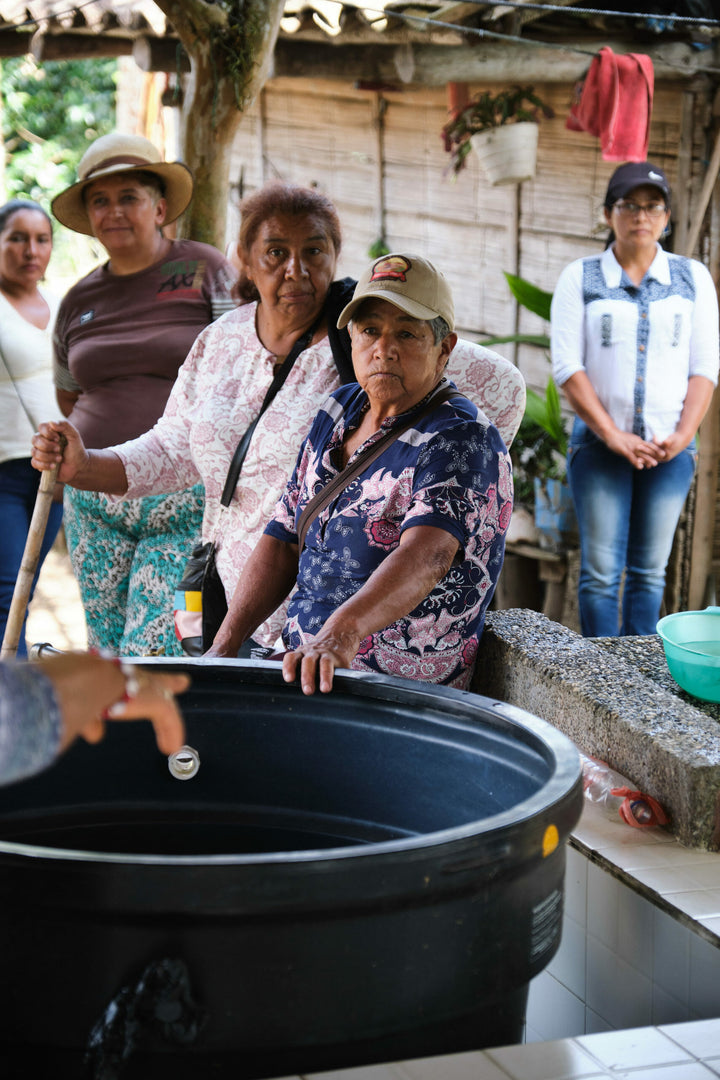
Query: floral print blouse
x: 451, y: 471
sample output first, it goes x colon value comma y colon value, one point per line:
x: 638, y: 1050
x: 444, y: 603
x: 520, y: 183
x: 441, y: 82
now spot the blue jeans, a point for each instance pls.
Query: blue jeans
x: 627, y: 519
x: 18, y: 490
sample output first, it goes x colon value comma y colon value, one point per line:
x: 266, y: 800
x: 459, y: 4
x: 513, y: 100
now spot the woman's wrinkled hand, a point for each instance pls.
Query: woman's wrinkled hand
x: 315, y: 662
x: 48, y: 450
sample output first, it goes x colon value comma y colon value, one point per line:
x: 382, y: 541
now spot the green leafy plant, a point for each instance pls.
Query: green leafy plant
x: 540, y: 447
x: 487, y: 110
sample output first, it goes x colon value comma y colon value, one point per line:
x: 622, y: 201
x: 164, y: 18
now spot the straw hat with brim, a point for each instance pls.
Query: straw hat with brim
x: 410, y: 283
x: 117, y: 153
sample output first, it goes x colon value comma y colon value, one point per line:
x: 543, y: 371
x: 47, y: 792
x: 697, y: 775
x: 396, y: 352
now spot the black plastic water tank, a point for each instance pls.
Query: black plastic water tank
x: 369, y: 875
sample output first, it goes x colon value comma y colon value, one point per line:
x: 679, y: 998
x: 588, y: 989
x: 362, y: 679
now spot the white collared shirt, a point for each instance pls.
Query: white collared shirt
x: 639, y: 345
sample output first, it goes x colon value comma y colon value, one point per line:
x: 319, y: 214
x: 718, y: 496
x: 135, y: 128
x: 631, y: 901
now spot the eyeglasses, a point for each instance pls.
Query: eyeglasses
x: 633, y: 209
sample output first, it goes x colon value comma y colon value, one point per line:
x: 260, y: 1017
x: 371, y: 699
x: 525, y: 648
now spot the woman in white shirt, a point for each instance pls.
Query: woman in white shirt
x: 635, y: 349
x: 27, y: 394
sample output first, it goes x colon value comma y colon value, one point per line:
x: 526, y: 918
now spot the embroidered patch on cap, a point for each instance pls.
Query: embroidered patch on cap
x: 394, y: 267
x: 87, y: 316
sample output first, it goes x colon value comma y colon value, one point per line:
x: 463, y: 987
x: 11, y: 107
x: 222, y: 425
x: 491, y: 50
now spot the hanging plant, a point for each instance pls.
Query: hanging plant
x: 486, y: 111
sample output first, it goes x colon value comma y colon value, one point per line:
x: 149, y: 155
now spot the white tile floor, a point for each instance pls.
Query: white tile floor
x: 673, y: 1052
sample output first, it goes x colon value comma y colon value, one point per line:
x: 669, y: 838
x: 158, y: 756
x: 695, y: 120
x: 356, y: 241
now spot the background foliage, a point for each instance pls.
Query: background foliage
x: 49, y: 113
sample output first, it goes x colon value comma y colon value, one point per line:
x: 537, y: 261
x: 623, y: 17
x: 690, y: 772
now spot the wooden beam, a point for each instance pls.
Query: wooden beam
x: 78, y: 46
x: 456, y: 13
x: 481, y: 62
x: 14, y: 43
x: 160, y: 54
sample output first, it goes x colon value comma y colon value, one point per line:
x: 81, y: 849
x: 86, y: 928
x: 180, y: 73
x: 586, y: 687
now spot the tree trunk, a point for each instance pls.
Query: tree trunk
x: 208, y: 123
x: 217, y: 90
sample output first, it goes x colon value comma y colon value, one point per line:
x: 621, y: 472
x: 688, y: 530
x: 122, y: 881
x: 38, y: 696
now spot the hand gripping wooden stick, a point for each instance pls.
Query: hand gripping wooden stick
x: 28, y: 566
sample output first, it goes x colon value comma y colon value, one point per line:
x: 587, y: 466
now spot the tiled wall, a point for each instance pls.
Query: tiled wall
x: 622, y: 963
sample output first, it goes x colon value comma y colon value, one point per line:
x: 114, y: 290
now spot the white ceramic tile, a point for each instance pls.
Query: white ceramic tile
x: 704, y: 979
x: 705, y: 873
x: 700, y: 1038
x: 639, y: 856
x: 562, y: 1060
x: 595, y: 1023
x: 665, y: 879
x: 635, y: 931
x: 615, y: 990
x: 576, y: 886
x: 552, y: 1010
x: 362, y: 1072
x: 667, y: 1009
x: 671, y: 970
x: 602, y: 906
x: 681, y: 857
x: 698, y: 904
x: 568, y: 964
x: 532, y: 1036
x: 713, y: 925
x: 693, y: 1071
x: 473, y: 1066
x: 634, y: 1048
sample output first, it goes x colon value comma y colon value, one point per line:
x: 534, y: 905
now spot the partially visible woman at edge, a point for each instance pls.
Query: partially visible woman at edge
x: 122, y: 333
x: 27, y: 317
x: 289, y: 243
x: 635, y: 349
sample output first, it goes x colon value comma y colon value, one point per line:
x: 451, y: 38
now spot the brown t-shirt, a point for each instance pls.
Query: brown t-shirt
x: 120, y: 338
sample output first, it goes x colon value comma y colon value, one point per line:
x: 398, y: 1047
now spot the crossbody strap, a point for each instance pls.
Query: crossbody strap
x: 361, y: 462
x: 242, y: 448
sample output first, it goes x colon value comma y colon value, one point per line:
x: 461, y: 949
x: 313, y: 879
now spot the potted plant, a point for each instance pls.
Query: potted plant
x: 502, y: 128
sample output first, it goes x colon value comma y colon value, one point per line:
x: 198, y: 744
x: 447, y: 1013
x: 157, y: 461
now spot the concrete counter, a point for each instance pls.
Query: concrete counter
x: 616, y: 700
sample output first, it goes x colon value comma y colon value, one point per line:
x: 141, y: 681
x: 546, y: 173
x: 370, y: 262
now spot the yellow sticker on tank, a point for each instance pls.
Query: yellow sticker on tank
x: 551, y: 839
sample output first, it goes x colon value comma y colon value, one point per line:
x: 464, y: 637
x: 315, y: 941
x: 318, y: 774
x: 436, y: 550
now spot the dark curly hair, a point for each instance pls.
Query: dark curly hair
x: 279, y: 197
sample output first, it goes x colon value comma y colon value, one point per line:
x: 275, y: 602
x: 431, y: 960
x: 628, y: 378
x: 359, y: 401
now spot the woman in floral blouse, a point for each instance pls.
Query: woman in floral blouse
x: 396, y: 572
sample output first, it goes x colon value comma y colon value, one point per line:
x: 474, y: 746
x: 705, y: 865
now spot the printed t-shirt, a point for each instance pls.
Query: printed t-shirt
x: 121, y: 338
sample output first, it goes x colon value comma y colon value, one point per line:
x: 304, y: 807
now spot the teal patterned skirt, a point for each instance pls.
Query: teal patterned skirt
x: 128, y: 556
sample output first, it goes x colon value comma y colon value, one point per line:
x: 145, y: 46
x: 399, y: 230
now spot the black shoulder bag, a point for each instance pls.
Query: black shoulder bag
x: 201, y: 590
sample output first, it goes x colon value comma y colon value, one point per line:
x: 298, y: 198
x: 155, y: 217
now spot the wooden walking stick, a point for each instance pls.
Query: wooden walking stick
x: 28, y: 566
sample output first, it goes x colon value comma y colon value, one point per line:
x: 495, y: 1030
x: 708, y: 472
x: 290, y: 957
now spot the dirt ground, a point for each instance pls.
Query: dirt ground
x: 56, y: 614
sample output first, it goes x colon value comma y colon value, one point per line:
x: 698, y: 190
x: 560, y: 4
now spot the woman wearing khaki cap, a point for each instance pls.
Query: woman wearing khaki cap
x: 121, y: 335
x: 391, y: 532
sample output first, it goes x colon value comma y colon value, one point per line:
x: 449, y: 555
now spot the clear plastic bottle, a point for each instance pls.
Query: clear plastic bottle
x: 605, y: 787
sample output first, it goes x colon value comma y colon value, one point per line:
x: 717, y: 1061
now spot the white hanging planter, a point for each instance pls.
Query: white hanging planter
x: 508, y: 153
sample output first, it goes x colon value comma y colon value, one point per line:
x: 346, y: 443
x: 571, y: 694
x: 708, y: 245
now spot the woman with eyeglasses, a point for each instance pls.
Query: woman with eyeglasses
x: 635, y: 349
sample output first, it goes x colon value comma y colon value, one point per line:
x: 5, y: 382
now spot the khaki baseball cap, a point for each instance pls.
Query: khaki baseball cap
x: 409, y: 282
x: 118, y: 153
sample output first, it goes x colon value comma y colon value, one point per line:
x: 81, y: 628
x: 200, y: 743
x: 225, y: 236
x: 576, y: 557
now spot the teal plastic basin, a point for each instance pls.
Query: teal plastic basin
x: 691, y: 640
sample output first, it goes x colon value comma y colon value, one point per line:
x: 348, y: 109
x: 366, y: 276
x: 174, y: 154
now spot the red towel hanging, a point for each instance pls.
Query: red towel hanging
x: 615, y: 103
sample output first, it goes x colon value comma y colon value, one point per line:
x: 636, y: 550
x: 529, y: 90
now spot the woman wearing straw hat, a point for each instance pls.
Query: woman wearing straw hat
x: 121, y: 335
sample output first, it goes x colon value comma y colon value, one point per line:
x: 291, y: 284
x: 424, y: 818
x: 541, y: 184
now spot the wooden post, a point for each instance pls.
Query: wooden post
x: 703, y: 531
x: 681, y: 201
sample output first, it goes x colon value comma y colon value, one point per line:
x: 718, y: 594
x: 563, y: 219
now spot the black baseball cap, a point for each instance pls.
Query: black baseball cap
x: 635, y: 174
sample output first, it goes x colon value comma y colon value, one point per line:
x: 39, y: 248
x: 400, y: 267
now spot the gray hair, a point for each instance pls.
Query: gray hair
x: 440, y: 329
